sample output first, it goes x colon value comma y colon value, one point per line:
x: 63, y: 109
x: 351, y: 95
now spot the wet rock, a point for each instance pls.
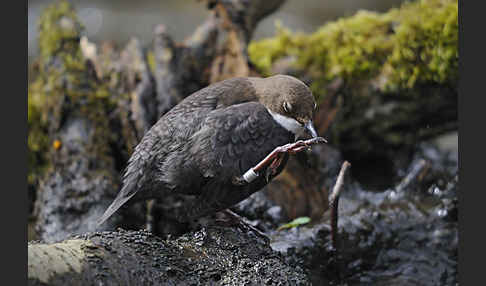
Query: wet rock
x: 261, y: 211
x: 397, y: 237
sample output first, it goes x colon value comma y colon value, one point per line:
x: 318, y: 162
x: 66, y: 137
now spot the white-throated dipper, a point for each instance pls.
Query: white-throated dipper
x: 221, y: 144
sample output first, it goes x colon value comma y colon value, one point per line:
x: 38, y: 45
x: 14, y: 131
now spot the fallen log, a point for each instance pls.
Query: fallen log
x: 211, y: 255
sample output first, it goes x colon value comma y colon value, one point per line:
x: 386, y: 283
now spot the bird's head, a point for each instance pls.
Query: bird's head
x: 290, y: 102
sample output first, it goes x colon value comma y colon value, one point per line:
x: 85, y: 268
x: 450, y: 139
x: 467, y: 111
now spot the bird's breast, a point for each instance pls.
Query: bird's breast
x: 288, y: 123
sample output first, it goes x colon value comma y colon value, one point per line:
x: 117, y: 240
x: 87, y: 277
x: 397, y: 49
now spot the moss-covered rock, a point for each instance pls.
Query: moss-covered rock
x: 58, y: 26
x: 63, y: 76
x: 417, y: 43
x: 74, y: 122
x: 58, y: 30
x: 387, y: 80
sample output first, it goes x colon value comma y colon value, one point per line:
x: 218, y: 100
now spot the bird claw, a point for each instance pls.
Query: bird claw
x: 268, y: 173
x: 300, y: 145
x: 275, y: 159
x: 243, y: 224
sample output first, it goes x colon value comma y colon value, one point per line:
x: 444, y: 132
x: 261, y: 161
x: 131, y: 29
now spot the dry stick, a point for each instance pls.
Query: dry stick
x: 334, y: 203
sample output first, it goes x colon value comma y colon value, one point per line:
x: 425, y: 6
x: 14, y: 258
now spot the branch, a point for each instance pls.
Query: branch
x: 417, y: 172
x: 334, y: 203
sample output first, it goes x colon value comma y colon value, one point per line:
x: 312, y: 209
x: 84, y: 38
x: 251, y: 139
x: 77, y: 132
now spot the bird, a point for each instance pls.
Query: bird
x: 221, y: 144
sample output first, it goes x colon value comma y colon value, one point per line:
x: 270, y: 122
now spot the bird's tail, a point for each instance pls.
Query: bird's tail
x: 119, y: 201
x: 134, y: 176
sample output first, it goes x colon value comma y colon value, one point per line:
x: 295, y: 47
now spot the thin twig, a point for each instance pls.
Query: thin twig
x: 416, y: 174
x: 334, y: 203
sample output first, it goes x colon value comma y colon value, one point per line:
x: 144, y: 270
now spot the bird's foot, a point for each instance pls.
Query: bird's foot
x: 300, y: 145
x: 233, y: 219
x: 274, y: 159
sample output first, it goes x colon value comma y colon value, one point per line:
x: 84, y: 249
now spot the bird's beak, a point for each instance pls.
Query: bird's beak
x: 310, y: 128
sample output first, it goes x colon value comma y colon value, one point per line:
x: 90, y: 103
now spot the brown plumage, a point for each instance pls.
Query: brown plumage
x: 204, y: 145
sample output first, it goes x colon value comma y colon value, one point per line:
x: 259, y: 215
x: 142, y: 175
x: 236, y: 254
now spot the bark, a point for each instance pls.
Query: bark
x: 217, y: 50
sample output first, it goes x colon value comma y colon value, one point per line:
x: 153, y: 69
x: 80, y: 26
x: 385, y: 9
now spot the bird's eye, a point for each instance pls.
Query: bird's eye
x: 287, y: 107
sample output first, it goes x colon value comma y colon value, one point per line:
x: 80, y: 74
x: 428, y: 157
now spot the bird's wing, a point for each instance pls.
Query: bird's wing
x: 155, y: 162
x: 230, y: 141
x: 162, y: 143
x: 164, y: 138
x: 235, y: 138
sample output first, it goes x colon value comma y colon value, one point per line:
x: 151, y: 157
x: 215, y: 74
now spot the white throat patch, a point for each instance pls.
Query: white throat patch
x: 288, y: 123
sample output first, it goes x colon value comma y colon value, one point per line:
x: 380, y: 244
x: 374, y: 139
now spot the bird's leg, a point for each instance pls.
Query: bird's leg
x: 235, y: 219
x: 274, y: 159
x: 150, y: 215
x: 272, y: 169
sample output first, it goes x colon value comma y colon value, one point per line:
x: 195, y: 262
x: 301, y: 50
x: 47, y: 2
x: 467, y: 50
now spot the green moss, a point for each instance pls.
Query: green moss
x: 151, y: 61
x: 58, y: 29
x: 426, y: 44
x: 37, y: 141
x: 417, y: 43
x: 399, y: 72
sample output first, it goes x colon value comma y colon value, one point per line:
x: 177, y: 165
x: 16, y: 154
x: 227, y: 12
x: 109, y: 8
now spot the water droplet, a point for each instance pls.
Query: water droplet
x: 436, y: 191
x: 441, y: 212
